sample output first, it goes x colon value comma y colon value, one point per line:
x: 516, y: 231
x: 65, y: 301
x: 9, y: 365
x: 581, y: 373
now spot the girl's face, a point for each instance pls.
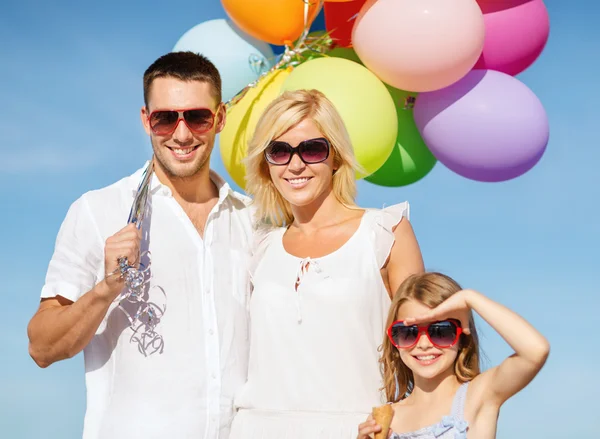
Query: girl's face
x: 424, y: 359
x: 299, y: 183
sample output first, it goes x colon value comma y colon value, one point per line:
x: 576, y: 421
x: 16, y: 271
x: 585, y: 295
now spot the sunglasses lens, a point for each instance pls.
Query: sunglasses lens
x: 199, y: 120
x: 314, y: 151
x: 443, y: 333
x: 404, y: 336
x: 278, y: 153
x: 163, y: 121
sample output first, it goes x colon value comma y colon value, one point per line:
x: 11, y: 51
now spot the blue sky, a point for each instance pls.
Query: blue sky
x: 70, y: 90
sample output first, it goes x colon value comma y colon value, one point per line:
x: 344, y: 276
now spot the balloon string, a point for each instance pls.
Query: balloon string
x: 292, y: 54
x: 306, y: 23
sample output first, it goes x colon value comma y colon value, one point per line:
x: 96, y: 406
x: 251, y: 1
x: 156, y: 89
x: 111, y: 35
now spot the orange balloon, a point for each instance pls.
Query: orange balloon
x: 274, y: 21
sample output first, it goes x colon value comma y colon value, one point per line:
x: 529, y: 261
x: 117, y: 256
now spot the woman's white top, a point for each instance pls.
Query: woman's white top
x: 316, y: 326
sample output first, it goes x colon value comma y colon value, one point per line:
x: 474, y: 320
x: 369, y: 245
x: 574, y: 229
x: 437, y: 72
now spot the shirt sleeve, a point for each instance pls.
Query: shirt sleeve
x: 78, y: 255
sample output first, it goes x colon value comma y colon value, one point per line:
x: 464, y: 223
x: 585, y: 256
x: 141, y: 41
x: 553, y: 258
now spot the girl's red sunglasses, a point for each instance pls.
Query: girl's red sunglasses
x: 443, y: 334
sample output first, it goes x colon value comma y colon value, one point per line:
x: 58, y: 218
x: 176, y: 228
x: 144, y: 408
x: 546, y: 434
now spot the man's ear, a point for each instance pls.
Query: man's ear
x: 221, y: 117
x: 144, y: 117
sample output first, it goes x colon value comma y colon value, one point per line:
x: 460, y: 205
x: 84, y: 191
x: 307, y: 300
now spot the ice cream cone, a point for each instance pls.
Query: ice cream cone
x: 383, y: 416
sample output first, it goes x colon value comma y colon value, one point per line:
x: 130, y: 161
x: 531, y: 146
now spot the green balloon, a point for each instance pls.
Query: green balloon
x: 346, y: 53
x: 410, y: 159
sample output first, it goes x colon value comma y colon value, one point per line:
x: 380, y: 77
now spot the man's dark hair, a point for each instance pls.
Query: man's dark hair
x: 185, y: 66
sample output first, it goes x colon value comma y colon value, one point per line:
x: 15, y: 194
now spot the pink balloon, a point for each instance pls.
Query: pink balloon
x: 516, y: 32
x: 420, y: 45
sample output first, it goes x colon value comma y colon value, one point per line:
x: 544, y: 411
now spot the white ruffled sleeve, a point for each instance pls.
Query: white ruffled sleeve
x: 386, y: 220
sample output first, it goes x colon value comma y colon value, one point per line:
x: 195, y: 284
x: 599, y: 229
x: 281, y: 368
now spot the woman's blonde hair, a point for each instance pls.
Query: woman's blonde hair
x: 430, y: 289
x: 284, y: 113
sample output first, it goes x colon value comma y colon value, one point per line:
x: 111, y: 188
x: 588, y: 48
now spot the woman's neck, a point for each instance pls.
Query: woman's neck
x: 325, y: 211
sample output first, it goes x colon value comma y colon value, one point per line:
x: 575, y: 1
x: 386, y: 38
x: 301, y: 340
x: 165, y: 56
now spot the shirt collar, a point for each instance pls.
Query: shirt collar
x: 136, y: 178
x: 156, y: 187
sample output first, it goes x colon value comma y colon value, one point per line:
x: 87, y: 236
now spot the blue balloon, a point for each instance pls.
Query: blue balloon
x: 240, y: 58
x: 319, y: 23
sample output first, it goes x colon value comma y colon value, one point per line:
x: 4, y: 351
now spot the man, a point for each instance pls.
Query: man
x: 198, y: 233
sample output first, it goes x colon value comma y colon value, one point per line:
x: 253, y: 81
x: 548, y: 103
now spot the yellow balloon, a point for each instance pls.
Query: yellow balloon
x: 241, y: 122
x: 362, y: 100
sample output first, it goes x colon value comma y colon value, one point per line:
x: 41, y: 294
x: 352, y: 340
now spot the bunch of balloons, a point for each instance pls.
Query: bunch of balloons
x: 416, y: 82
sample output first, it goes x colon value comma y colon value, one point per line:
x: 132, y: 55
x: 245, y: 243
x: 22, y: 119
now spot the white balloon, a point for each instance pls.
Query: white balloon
x: 240, y: 58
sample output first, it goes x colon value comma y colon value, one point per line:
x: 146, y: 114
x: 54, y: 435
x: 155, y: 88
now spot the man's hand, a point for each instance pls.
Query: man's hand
x: 123, y: 244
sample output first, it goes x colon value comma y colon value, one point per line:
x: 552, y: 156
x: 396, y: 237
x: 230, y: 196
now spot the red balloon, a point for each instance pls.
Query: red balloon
x: 339, y: 20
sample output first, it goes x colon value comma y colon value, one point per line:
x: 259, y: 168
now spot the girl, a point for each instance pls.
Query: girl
x: 431, y: 362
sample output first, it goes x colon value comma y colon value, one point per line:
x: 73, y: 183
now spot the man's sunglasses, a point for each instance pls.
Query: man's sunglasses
x: 310, y: 151
x: 165, y: 122
x: 442, y: 334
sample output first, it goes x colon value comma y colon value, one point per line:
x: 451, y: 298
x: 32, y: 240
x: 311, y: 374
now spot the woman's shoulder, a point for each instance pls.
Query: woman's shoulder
x: 390, y: 216
x: 263, y: 237
x: 263, y: 233
x: 381, y: 224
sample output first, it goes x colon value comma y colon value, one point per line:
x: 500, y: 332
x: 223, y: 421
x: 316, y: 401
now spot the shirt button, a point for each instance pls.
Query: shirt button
x: 211, y: 332
x: 214, y: 376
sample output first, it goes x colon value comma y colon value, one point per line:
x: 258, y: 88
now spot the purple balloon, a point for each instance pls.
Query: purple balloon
x: 488, y: 126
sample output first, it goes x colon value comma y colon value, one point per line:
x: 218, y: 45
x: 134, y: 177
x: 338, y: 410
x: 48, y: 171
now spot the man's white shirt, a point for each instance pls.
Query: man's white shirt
x: 187, y: 390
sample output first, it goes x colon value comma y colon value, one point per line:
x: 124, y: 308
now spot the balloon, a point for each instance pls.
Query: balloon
x: 241, y: 122
x: 516, y: 32
x: 340, y: 19
x: 340, y: 1
x: 487, y: 127
x: 345, y: 53
x: 239, y: 58
x: 410, y: 159
x: 362, y: 100
x: 319, y: 22
x: 419, y: 45
x: 273, y: 21
x: 317, y: 25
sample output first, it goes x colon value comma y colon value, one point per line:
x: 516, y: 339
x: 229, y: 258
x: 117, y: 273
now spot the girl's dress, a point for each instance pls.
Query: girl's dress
x: 316, y: 325
x: 453, y: 426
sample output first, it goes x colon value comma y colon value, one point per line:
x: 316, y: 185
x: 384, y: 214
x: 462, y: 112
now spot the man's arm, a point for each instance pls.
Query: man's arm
x: 61, y: 328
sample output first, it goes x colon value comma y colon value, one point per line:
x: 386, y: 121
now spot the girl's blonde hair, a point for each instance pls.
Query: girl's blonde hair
x: 430, y: 289
x: 284, y: 113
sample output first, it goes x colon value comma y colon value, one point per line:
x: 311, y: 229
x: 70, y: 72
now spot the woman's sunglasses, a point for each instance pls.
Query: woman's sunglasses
x: 442, y: 334
x: 165, y: 122
x: 310, y: 151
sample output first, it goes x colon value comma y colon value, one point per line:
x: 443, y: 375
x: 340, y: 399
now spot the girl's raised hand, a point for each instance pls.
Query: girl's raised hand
x: 455, y: 306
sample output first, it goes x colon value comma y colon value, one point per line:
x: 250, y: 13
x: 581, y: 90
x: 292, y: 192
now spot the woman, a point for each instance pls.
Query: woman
x: 322, y: 275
